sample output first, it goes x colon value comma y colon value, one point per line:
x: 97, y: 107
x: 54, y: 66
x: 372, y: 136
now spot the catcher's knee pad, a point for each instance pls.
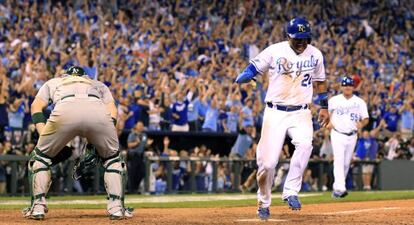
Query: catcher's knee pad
x: 39, y: 176
x: 114, y: 177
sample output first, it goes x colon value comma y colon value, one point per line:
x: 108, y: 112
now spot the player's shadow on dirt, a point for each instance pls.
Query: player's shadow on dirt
x: 82, y: 216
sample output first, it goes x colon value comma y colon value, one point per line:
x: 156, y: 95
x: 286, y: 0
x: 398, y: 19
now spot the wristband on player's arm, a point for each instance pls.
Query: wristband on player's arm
x: 38, y: 118
x: 114, y: 121
x: 249, y: 73
x: 323, y: 100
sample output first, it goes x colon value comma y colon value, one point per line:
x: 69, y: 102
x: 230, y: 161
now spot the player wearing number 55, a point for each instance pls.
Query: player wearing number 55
x: 294, y: 66
x: 348, y: 115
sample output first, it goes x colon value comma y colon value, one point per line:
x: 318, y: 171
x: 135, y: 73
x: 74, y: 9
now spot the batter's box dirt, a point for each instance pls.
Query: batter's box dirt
x: 375, y: 212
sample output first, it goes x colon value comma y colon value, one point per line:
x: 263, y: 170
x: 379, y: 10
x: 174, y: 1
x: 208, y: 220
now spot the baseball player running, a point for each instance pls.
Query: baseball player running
x: 348, y: 114
x: 86, y: 108
x: 293, y: 65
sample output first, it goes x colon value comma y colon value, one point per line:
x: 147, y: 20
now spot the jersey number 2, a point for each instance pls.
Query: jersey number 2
x: 307, y: 80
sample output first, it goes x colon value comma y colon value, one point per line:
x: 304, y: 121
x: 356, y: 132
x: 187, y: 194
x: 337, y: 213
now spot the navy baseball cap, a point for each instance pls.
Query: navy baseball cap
x: 347, y: 81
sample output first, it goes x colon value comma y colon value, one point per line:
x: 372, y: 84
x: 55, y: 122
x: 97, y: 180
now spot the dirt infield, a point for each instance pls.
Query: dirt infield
x: 374, y: 212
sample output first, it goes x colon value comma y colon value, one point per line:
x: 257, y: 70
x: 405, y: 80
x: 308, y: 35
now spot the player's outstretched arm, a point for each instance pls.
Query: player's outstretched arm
x: 248, y: 74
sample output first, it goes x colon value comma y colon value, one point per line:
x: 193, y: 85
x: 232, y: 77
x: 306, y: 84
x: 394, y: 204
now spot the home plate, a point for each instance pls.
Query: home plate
x: 259, y: 220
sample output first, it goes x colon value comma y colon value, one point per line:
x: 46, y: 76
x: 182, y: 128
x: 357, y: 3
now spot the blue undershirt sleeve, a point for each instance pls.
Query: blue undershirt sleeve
x: 249, y: 73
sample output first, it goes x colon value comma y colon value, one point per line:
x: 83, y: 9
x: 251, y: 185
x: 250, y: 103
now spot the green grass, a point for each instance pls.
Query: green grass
x: 323, y: 198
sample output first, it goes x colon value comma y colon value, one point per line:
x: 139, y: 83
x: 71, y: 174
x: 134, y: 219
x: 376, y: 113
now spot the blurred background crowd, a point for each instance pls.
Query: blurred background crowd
x: 171, y: 66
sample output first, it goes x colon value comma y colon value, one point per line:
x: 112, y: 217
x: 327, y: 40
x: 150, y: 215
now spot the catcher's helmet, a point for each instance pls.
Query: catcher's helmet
x: 76, y: 71
x: 347, y: 81
x: 299, y: 28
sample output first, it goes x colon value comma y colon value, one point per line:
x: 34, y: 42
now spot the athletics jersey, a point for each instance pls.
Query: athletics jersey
x: 290, y: 75
x: 345, y: 113
x: 68, y: 85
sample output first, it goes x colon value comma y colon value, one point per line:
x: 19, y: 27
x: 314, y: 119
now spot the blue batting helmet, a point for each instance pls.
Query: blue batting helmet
x: 299, y: 28
x: 347, y: 81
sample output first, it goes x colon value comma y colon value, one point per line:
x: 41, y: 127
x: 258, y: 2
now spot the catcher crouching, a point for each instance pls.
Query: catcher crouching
x: 86, y: 108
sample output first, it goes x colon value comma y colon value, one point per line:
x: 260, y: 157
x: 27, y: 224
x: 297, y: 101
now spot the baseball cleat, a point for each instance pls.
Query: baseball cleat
x: 293, y: 202
x: 27, y: 212
x: 339, y: 194
x: 128, y: 212
x: 37, y: 217
x: 119, y: 215
x: 263, y: 213
x: 122, y: 214
x: 116, y: 217
x: 38, y: 212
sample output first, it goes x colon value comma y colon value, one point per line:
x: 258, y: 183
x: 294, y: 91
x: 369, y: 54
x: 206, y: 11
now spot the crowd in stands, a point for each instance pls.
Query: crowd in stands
x: 171, y: 66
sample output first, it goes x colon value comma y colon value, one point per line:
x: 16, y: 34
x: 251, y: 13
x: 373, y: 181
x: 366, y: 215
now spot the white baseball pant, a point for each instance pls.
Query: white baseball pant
x: 276, y: 124
x: 343, y: 147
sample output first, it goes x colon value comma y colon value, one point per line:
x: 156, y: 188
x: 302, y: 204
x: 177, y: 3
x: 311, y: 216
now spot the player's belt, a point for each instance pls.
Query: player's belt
x: 89, y: 95
x: 287, y: 108
x: 347, y: 134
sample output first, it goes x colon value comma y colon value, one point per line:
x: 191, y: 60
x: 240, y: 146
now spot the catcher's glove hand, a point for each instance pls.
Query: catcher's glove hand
x: 86, y: 162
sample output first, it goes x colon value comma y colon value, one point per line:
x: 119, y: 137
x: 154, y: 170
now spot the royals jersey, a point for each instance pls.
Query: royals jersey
x: 345, y: 113
x: 290, y: 75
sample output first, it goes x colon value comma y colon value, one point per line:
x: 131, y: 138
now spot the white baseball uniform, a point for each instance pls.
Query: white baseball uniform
x: 290, y: 84
x: 345, y: 113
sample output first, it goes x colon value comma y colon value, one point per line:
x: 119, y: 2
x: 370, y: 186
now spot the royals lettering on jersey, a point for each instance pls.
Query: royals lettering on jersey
x: 346, y: 113
x: 287, y: 67
x: 290, y: 75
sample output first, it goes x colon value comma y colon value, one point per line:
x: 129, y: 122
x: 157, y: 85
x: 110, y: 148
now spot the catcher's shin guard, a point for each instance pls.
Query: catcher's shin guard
x: 114, y: 177
x: 39, y: 183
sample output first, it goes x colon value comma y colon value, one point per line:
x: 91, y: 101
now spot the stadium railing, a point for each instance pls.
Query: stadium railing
x: 237, y: 167
x: 15, y: 160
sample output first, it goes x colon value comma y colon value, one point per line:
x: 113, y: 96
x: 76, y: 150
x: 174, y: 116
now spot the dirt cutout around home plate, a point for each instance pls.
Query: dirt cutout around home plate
x: 372, y: 212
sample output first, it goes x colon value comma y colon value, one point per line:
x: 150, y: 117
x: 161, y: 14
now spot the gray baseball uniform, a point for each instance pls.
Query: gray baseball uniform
x: 80, y: 109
